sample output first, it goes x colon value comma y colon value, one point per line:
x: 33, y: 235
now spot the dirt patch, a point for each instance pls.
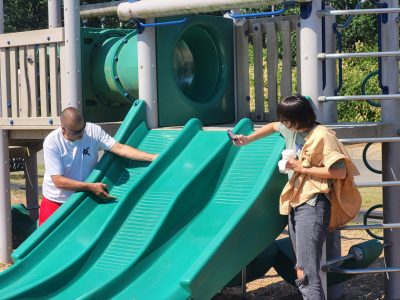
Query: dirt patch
x: 356, y: 151
x: 272, y: 286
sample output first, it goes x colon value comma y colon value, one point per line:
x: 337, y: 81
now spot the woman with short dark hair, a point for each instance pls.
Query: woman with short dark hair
x: 320, y: 194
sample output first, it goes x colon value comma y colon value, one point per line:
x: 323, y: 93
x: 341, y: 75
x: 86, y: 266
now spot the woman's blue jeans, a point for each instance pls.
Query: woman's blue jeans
x: 308, y: 227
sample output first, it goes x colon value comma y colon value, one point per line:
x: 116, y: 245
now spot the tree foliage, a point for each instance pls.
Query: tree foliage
x: 362, y: 28
x: 24, y: 15
x: 21, y: 15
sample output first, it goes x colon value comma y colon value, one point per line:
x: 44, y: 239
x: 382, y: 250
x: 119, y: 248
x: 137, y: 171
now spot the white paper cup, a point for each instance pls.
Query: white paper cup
x: 282, y: 166
x: 288, y: 153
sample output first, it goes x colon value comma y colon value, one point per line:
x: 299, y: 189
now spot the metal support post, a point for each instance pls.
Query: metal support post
x: 54, y: 11
x: 310, y: 46
x: 1, y: 32
x: 32, y: 187
x: 5, y: 203
x: 329, y: 110
x: 311, y: 72
x: 390, y: 153
x: 329, y: 113
x: 73, y: 91
x: 148, y: 73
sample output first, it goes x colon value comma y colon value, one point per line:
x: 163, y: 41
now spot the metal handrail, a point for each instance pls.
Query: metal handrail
x: 278, y: 12
x: 334, y: 269
x: 99, y: 9
x: 359, y: 97
x: 370, y: 140
x: 372, y: 226
x: 378, y: 184
x: 358, y: 55
x: 157, y: 24
x: 358, y: 11
x: 338, y: 260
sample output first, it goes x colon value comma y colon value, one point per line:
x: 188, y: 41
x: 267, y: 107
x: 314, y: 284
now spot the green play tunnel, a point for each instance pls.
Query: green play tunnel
x: 194, y: 72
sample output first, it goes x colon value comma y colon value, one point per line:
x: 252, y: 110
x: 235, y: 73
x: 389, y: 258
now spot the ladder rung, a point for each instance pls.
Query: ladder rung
x: 359, y: 97
x: 378, y: 183
x: 374, y: 226
x: 370, y: 140
x: 358, y: 11
x: 357, y: 55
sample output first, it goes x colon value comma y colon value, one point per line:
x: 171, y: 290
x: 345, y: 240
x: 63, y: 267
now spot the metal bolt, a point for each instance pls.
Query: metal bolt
x: 11, y: 122
x: 248, y: 98
x: 51, y: 121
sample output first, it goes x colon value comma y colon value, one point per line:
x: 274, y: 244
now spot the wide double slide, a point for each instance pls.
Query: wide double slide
x: 180, y: 227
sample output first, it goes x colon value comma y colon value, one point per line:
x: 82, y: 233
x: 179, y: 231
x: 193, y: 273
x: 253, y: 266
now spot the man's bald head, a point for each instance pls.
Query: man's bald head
x: 72, y: 118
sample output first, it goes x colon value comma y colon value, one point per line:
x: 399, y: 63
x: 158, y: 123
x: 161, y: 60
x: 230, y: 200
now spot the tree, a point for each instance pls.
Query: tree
x: 21, y: 15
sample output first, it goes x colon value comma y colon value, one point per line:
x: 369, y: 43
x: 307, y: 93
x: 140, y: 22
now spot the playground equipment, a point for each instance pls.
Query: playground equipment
x: 110, y: 88
x: 178, y: 227
x: 194, y: 72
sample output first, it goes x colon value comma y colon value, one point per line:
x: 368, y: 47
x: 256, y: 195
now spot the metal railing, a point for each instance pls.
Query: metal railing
x: 359, y: 97
x: 358, y: 11
x: 358, y: 55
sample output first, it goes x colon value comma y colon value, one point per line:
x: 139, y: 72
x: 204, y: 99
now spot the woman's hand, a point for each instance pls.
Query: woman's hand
x: 295, y: 165
x: 241, y: 140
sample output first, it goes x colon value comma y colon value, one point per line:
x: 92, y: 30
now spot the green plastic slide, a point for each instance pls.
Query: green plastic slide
x: 180, y: 227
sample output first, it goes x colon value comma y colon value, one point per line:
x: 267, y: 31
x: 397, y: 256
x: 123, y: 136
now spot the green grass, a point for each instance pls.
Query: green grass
x: 18, y: 195
x: 370, y: 196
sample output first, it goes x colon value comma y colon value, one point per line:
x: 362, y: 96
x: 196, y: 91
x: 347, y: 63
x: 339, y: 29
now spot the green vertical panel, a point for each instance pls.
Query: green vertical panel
x: 195, y: 71
x: 109, y: 73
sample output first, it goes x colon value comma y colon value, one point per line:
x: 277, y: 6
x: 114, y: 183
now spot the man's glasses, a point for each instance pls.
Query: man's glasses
x: 76, y: 132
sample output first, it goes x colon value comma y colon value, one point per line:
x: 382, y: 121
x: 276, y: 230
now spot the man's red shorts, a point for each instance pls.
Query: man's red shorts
x: 47, y: 208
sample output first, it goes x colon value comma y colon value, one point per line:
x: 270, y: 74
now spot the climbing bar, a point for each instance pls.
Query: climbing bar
x: 358, y: 55
x: 370, y: 140
x: 358, y: 11
x: 161, y: 8
x: 372, y: 226
x: 335, y: 269
x: 378, y: 183
x: 99, y: 10
x: 262, y: 14
x: 359, y: 97
x: 158, y: 24
x: 337, y: 260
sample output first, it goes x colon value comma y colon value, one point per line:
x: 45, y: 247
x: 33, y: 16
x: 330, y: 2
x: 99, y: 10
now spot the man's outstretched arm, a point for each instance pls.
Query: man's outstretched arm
x: 132, y: 153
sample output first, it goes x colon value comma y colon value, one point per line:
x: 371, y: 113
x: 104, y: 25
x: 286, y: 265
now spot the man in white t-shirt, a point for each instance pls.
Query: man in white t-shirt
x: 70, y: 155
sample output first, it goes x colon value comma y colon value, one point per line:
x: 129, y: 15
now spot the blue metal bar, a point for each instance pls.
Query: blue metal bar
x: 262, y: 14
x: 337, y: 29
x: 363, y: 88
x: 157, y: 24
x: 350, y: 18
x: 340, y: 61
x: 385, y: 89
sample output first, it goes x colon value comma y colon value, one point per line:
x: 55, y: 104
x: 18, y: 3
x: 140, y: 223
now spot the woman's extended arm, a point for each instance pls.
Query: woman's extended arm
x: 270, y: 128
